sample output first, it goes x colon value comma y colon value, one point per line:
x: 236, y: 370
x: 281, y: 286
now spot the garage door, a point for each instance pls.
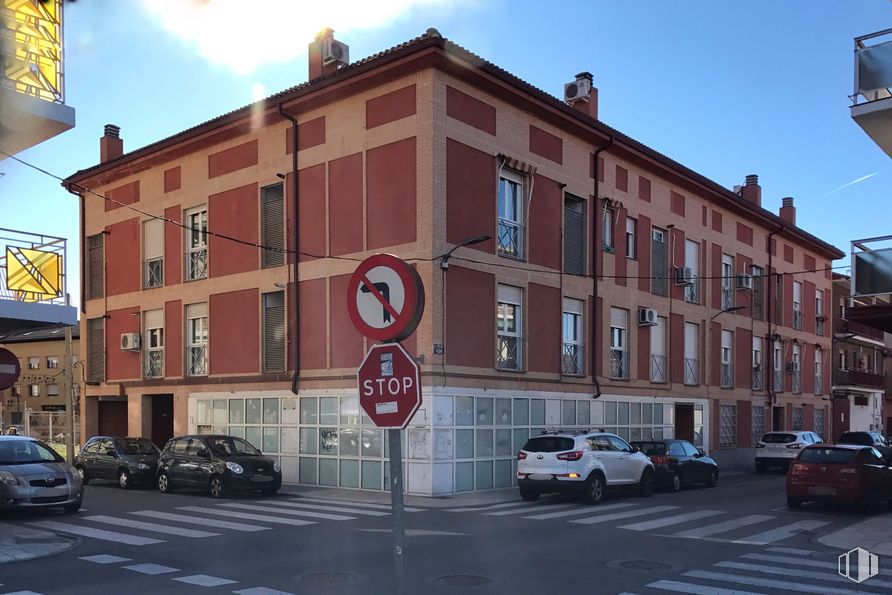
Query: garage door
x: 113, y: 418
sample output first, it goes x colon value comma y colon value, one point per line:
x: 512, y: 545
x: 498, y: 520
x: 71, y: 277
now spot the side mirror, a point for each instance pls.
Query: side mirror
x: 635, y: 449
x: 700, y: 452
x: 111, y: 452
x: 203, y: 453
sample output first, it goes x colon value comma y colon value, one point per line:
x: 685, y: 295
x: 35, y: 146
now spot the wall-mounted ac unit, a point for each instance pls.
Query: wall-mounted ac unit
x: 129, y: 341
x: 744, y: 281
x: 684, y: 276
x: 647, y: 317
x: 792, y: 367
x: 335, y: 52
x: 10, y: 401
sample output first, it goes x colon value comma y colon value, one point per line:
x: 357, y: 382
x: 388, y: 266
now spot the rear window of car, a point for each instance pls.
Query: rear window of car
x: 856, y: 438
x: 832, y: 456
x: 548, y: 444
x: 651, y: 448
x: 137, y: 446
x: 778, y: 438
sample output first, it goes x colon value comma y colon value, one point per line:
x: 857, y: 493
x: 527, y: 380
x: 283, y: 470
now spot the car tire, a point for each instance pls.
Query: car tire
x: 85, y: 479
x: 124, y: 479
x: 217, y: 487
x: 165, y: 486
x: 529, y: 494
x: 712, y: 479
x: 270, y: 492
x: 594, y: 488
x: 646, y: 484
x: 675, y: 483
x: 72, y: 508
x: 794, y: 502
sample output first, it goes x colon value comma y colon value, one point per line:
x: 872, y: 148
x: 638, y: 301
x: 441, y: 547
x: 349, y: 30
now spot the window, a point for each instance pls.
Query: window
x: 34, y: 390
x: 52, y: 362
x: 197, y: 244
x: 727, y: 281
x: 197, y: 339
x: 728, y: 425
x: 272, y: 225
x: 842, y: 308
x: 691, y: 354
x: 574, y: 235
x: 607, y: 228
x: 778, y: 366
x: 510, y: 328
x: 797, y: 369
x: 33, y: 363
x: 797, y: 419
x: 758, y: 423
x: 819, y: 312
x: 758, y: 368
x: 819, y: 422
x: 727, y: 359
x: 692, y: 271
x: 153, y: 323
x: 153, y: 253
x: 619, y: 362
x: 797, y: 305
x: 658, y: 361
x: 95, y: 266
x: 52, y: 390
x: 16, y: 391
x: 571, y: 356
x: 274, y: 331
x: 631, y: 238
x: 778, y: 299
x: 758, y: 293
x: 658, y: 283
x: 511, y: 220
x: 95, y: 350
x: 819, y: 374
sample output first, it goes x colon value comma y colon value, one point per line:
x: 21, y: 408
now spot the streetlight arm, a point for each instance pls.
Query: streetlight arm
x: 444, y: 259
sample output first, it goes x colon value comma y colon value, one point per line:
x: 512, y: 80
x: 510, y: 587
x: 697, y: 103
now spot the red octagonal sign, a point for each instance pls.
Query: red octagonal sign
x: 389, y: 386
x: 10, y: 368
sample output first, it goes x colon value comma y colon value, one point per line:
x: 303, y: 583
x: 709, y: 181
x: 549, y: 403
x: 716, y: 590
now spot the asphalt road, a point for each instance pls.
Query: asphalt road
x: 736, y: 538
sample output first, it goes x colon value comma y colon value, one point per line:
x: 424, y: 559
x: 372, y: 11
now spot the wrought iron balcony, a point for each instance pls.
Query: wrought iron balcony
x: 658, y: 371
x: 509, y: 355
x: 619, y: 364
x: 859, y: 378
x: 154, y: 363
x: 758, y: 378
x: 198, y: 361
x: 727, y: 375
x: 691, y: 371
x: 197, y: 263
x: 571, y: 360
x: 510, y: 238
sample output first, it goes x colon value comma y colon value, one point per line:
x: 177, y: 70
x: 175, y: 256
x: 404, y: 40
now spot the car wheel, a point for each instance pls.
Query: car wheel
x: 675, y: 483
x: 72, y: 508
x: 529, y: 495
x: 594, y: 489
x: 165, y: 486
x: 85, y: 479
x: 216, y: 487
x: 794, y: 502
x: 124, y: 479
x: 646, y: 484
x: 270, y: 491
x: 713, y: 479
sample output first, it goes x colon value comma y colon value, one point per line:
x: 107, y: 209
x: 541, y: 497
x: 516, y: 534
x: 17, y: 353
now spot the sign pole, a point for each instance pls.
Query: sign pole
x: 394, y: 437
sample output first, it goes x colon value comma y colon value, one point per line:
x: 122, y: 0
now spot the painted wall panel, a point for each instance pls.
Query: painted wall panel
x: 546, y: 145
x: 232, y: 159
x: 470, y: 110
x: 544, y: 342
x: 390, y: 107
x: 122, y: 257
x: 234, y: 332
x: 345, y: 204
x: 470, y: 318
x: 121, y: 365
x: 311, y: 207
x: 173, y: 246
x: 125, y: 195
x: 546, y: 220
x: 173, y: 339
x: 470, y: 195
x: 390, y: 194
x: 233, y: 213
x: 346, y: 342
x: 313, y: 325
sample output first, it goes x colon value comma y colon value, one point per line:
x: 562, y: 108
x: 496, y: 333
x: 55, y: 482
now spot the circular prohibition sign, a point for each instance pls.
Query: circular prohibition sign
x: 385, y: 298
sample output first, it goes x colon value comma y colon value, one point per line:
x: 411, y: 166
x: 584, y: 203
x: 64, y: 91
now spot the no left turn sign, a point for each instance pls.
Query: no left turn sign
x: 385, y: 298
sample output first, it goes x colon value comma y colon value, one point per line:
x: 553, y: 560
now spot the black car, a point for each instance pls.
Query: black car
x: 126, y: 460
x: 678, y: 462
x: 217, y: 463
x: 874, y: 439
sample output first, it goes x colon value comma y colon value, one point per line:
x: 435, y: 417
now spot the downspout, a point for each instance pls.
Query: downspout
x: 595, y: 248
x: 771, y: 314
x: 295, y: 347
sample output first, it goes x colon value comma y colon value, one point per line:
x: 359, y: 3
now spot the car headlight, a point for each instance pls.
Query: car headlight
x: 235, y: 468
x: 8, y: 478
x: 276, y: 467
x: 143, y: 467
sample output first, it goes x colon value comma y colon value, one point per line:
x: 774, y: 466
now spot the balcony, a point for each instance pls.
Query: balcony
x: 619, y: 365
x: 571, y: 360
x: 658, y: 368
x: 850, y: 330
x: 872, y: 98
x: 859, y: 378
x: 691, y: 371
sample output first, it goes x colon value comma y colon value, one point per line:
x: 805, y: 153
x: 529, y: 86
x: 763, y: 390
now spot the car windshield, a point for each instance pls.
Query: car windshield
x: 778, y: 438
x: 856, y: 438
x: 548, y: 444
x: 137, y: 446
x: 832, y: 456
x: 227, y: 445
x: 23, y: 452
x: 651, y: 448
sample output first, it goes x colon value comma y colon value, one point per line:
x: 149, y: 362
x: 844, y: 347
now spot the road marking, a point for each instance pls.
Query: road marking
x: 249, y: 517
x: 724, y: 526
x: 104, y: 559
x: 261, y: 591
x: 770, y: 583
x: 283, y: 510
x: 168, y: 516
x: 802, y: 562
x: 204, y: 580
x: 538, y: 508
x: 151, y: 527
x: 791, y: 572
x: 98, y: 533
x: 781, y: 533
x: 789, y: 550
x: 671, y: 520
x: 151, y: 568
x: 22, y: 593
x: 623, y: 515
x: 578, y: 511
x: 490, y: 507
x: 329, y: 508
x: 348, y: 503
x: 679, y: 587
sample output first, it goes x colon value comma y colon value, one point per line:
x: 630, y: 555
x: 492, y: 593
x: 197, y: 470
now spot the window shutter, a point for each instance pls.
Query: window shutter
x: 95, y: 266
x: 574, y: 238
x: 274, y: 331
x: 153, y: 239
x: 273, y: 225
x: 658, y: 283
x: 95, y: 350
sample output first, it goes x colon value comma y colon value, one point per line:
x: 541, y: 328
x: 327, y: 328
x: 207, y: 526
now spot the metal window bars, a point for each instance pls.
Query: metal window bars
x: 198, y: 360
x: 758, y: 378
x: 509, y: 353
x: 797, y: 382
x: 691, y: 371
x: 779, y: 381
x: 819, y: 326
x: 758, y: 424
x: 154, y: 272
x: 797, y: 317
x: 692, y: 291
x: 571, y: 359
x: 727, y: 298
x: 728, y: 425
x: 197, y: 263
x: 658, y: 368
x: 819, y: 384
x: 797, y: 418
x: 727, y: 375
x: 154, y: 363
x: 510, y: 238
x: 619, y: 365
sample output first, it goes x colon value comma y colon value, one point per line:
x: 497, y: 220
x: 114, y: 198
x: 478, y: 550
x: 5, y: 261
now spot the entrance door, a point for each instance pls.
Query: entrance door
x: 113, y: 418
x: 162, y: 419
x: 777, y: 419
x: 684, y: 421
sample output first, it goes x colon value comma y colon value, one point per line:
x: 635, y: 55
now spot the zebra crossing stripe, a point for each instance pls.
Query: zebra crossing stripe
x: 781, y: 533
x: 23, y: 593
x: 483, y: 507
x: 182, y: 518
x: 803, y: 562
x: 261, y: 591
x: 247, y: 516
x: 151, y: 527
x: 624, y: 515
x: 97, y: 533
x: 288, y: 511
x: 679, y: 587
x: 538, y: 508
x: 671, y: 520
x: 348, y: 503
x: 770, y: 583
x: 789, y: 550
x: 724, y: 526
x: 578, y: 511
x: 810, y: 574
x: 328, y: 508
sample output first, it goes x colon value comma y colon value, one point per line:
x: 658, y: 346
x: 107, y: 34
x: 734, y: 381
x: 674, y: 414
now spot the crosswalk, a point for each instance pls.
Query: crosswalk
x: 666, y: 520
x: 149, y: 527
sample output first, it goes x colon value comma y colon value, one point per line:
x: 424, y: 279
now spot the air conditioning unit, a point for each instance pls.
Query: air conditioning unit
x: 129, y: 341
x: 647, y: 317
x: 10, y: 401
x: 744, y: 281
x: 578, y: 90
x: 684, y: 276
x: 792, y: 367
x: 335, y: 52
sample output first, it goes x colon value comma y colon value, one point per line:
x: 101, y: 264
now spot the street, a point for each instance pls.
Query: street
x: 738, y: 537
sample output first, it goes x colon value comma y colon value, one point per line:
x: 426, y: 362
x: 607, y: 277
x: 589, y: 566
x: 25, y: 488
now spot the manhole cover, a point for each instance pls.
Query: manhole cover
x: 461, y: 580
x: 332, y: 579
x: 643, y: 565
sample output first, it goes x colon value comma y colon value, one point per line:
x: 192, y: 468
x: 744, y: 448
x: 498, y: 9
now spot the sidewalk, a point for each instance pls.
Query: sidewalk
x: 24, y: 543
x: 873, y: 534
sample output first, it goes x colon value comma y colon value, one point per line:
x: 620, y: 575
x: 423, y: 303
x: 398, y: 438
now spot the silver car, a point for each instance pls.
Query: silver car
x: 33, y: 475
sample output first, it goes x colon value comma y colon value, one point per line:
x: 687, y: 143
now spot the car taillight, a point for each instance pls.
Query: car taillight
x: 849, y: 470
x: 760, y: 446
x: 795, y: 445
x: 660, y: 460
x: 573, y: 455
x: 799, y: 468
x: 521, y: 456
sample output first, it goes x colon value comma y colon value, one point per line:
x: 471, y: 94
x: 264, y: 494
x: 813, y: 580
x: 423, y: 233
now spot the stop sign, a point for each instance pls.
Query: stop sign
x: 389, y: 385
x: 10, y: 368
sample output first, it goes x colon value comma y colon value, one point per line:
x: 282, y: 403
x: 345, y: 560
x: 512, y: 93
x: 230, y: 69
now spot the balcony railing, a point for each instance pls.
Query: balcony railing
x: 819, y: 384
x: 692, y: 291
x: 859, y: 378
x: 858, y: 329
x: 758, y: 378
x: 154, y: 363
x: 510, y: 238
x: 727, y: 375
x: 32, y: 267
x: 797, y: 382
x: 778, y: 381
x: 572, y: 360
x: 198, y: 360
x: 691, y: 371
x: 797, y: 318
x: 619, y: 364
x: 819, y: 326
x: 509, y: 353
x: 197, y: 264
x: 727, y: 298
x: 658, y: 368
x: 873, y: 67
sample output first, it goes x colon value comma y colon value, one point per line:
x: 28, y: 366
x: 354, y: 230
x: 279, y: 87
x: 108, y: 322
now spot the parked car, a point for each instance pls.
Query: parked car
x: 778, y: 449
x: 128, y: 460
x: 220, y: 464
x: 678, y: 462
x: 586, y: 463
x: 33, y: 475
x: 874, y: 439
x: 845, y: 472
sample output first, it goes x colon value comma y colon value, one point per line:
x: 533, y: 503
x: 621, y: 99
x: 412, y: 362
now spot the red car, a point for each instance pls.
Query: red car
x: 842, y: 472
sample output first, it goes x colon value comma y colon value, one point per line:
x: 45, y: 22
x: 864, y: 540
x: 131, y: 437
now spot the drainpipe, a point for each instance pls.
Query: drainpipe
x: 295, y: 347
x: 771, y: 314
x: 595, y: 248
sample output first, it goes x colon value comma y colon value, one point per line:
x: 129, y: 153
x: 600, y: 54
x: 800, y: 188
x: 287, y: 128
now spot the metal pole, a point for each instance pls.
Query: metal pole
x: 69, y: 399
x: 394, y: 437
x: 50, y: 433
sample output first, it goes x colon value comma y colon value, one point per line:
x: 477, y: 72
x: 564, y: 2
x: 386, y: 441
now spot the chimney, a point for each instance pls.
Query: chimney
x: 582, y: 94
x: 751, y: 190
x: 315, y: 54
x: 110, y: 145
x: 788, y: 211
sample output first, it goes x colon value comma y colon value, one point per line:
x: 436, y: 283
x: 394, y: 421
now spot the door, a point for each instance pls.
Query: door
x: 628, y: 467
x: 194, y: 468
x: 777, y: 419
x: 684, y: 421
x: 700, y: 470
x: 678, y: 461
x: 607, y: 455
x: 106, y: 465
x: 162, y: 419
x: 112, y: 418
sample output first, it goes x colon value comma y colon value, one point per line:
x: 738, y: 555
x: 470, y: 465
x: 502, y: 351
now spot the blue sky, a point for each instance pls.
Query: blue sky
x: 726, y: 88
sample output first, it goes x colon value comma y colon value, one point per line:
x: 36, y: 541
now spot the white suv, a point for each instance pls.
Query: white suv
x: 778, y: 449
x: 586, y: 462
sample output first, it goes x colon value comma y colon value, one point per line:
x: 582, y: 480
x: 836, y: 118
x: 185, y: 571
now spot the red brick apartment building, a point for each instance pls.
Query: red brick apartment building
x: 415, y: 151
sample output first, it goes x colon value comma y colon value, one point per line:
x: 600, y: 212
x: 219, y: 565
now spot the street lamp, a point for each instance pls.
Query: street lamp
x: 731, y: 309
x: 444, y: 260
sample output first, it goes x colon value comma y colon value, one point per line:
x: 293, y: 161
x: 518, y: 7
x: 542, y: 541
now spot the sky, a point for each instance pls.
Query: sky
x: 726, y: 88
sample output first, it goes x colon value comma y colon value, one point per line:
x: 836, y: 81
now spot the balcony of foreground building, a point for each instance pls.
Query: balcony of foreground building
x: 33, y: 284
x: 858, y: 380
x: 850, y: 330
x: 872, y: 98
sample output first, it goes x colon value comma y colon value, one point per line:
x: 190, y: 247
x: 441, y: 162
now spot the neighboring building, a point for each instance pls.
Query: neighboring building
x: 42, y: 386
x: 872, y: 96
x: 705, y: 325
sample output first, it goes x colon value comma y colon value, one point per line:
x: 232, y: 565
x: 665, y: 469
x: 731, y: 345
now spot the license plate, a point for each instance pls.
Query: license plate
x: 261, y: 478
x: 821, y: 491
x: 541, y: 476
